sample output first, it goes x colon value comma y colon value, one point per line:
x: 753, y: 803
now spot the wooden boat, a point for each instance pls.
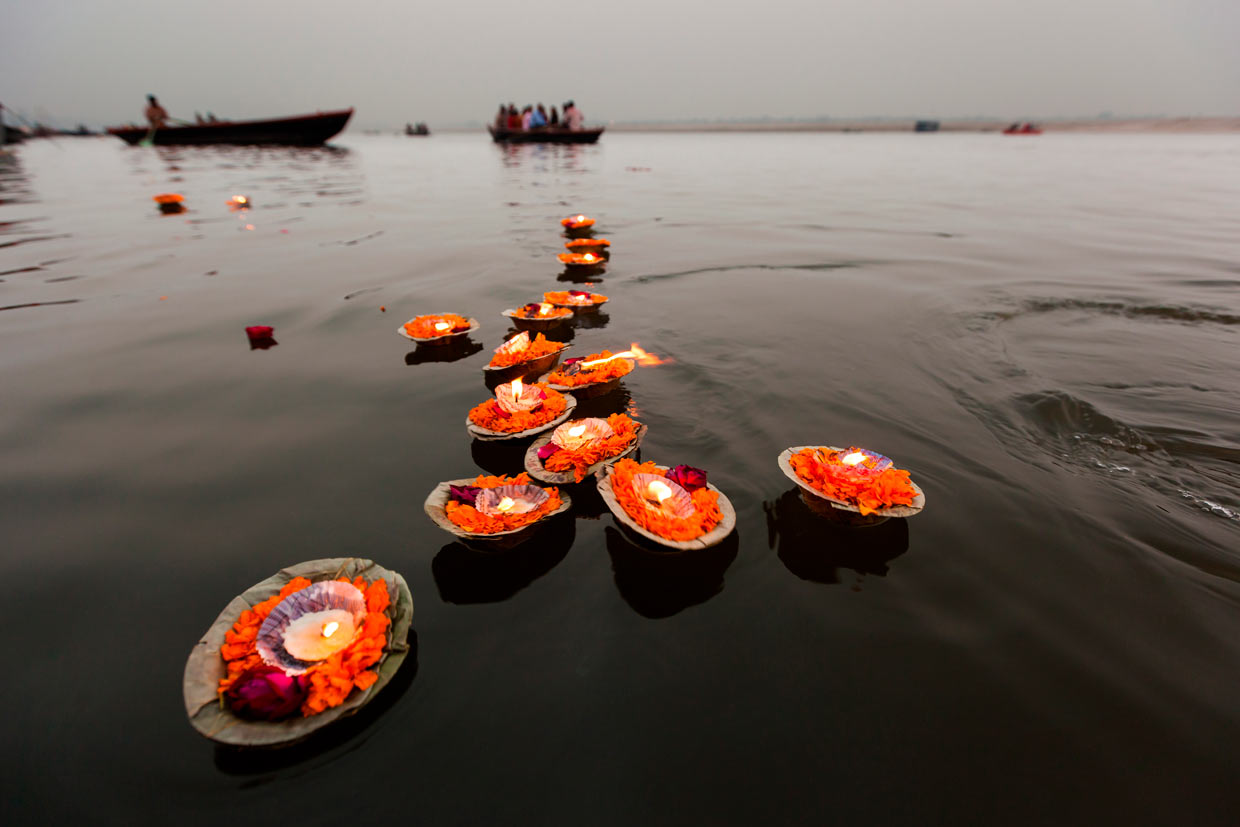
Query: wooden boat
x: 1022, y: 129
x: 417, y: 129
x: 302, y: 130
x: 545, y: 135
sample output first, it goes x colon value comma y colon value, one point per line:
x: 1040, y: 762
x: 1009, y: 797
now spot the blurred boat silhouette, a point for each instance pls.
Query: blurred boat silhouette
x: 1022, y: 129
x: 545, y: 135
x: 417, y: 129
x: 301, y: 130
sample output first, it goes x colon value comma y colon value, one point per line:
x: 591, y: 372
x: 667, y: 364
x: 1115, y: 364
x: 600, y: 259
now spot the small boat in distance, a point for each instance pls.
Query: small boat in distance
x: 419, y: 128
x: 545, y: 135
x: 1022, y: 129
x: 301, y: 130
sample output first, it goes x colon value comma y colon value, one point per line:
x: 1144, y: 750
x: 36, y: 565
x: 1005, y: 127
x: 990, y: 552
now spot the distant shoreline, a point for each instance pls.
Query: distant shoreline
x: 1066, y: 125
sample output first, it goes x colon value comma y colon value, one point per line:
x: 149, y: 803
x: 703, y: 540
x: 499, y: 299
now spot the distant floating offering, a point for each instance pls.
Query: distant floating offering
x: 437, y: 328
x: 519, y: 410
x: 595, y: 375
x: 577, y: 222
x: 599, y: 246
x: 538, y: 316
x: 674, y: 507
x: 298, y: 651
x: 582, y: 261
x: 170, y: 203
x: 580, y: 300
x: 853, y: 479
x: 494, y: 509
x: 581, y: 447
x: 521, y: 356
x: 239, y: 202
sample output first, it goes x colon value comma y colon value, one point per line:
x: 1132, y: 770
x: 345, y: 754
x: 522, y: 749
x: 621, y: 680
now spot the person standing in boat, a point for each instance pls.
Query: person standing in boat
x: 514, y: 117
x: 573, y: 118
x: 527, y: 116
x: 554, y: 118
x: 501, y: 117
x: 156, y: 115
x: 538, y: 118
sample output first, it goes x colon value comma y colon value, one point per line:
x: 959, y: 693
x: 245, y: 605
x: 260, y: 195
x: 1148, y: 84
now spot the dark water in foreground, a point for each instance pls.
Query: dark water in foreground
x: 1044, y: 331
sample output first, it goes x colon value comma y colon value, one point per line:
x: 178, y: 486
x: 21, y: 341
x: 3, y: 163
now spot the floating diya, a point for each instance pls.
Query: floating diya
x: 522, y: 356
x: 538, y: 316
x: 582, y: 261
x: 273, y: 668
x: 239, y: 202
x: 170, y: 203
x: 673, y: 507
x: 580, y: 447
x: 600, y: 247
x: 853, y: 479
x: 576, y: 226
x: 494, y: 511
x: 518, y: 410
x: 581, y: 301
x: 437, y: 328
x: 595, y: 375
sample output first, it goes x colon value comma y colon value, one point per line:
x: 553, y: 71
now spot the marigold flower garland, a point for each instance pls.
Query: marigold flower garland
x: 868, y: 491
x: 539, y: 347
x: 491, y: 416
x: 598, y: 374
x: 329, y: 682
x: 474, y: 521
x: 423, y: 327
x: 577, y: 460
x: 705, y: 517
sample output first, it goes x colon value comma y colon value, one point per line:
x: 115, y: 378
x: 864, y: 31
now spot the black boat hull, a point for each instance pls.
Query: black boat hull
x: 545, y: 136
x: 304, y: 130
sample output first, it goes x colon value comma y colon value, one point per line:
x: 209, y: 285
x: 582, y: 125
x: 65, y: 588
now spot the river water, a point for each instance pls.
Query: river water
x: 1044, y: 331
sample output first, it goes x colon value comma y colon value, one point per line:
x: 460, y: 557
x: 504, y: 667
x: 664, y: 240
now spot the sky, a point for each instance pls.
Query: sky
x: 450, y: 63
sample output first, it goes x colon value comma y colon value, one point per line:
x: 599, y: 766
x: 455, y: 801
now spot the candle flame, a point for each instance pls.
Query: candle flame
x: 517, y: 388
x: 577, y: 430
x: 544, y: 309
x: 579, y: 219
x: 855, y: 458
x: 330, y: 628
x: 505, y: 504
x: 441, y: 326
x: 588, y: 257
x: 659, y: 490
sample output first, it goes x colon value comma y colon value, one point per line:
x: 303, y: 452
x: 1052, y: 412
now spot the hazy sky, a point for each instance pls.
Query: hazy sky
x: 451, y: 62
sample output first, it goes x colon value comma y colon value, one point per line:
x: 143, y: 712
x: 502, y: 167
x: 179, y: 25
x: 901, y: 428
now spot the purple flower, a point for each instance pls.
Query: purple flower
x: 265, y: 693
x: 579, y: 294
x: 464, y: 494
x: 574, y: 360
x: 547, y: 450
x: 531, y: 309
x: 688, y: 477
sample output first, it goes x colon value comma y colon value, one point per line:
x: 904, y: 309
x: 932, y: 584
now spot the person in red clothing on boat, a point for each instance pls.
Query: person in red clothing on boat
x: 156, y: 115
x: 573, y: 118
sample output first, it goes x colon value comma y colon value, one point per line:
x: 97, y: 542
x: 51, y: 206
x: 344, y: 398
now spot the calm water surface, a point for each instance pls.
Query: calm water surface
x: 1044, y: 331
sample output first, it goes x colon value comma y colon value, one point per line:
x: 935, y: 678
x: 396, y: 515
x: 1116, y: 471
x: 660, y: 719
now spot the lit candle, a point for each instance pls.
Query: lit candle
x: 442, y: 327
x: 517, y: 388
x: 855, y: 458
x: 589, y: 258
x: 329, y: 629
x: 657, y: 492
x: 505, y: 505
x: 544, y: 309
x: 319, y: 635
x: 579, y: 219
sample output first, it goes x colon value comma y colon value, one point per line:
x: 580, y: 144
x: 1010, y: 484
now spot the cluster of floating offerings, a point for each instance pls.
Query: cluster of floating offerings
x: 316, y: 642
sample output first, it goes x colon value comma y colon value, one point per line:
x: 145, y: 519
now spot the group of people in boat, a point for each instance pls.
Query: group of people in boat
x: 537, y: 117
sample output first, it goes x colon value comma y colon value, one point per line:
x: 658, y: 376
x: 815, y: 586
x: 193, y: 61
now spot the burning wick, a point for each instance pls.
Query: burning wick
x: 577, y: 431
x: 658, y: 491
x: 505, y: 505
x: 588, y: 257
x: 329, y: 629
x: 442, y: 326
x: 240, y: 200
x: 579, y: 219
x: 855, y: 458
x: 544, y: 309
x: 517, y: 388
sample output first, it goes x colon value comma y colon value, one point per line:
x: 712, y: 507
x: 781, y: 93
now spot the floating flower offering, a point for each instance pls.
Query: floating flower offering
x: 539, y: 315
x: 436, y: 327
x: 853, y: 479
x: 577, y: 222
x: 238, y: 202
x: 674, y: 507
x: 517, y: 410
x: 598, y: 246
x: 170, y: 202
x: 520, y: 350
x: 581, y: 260
x: 580, y: 447
x: 491, y: 507
x: 576, y: 299
x: 297, y: 651
x: 594, y: 369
